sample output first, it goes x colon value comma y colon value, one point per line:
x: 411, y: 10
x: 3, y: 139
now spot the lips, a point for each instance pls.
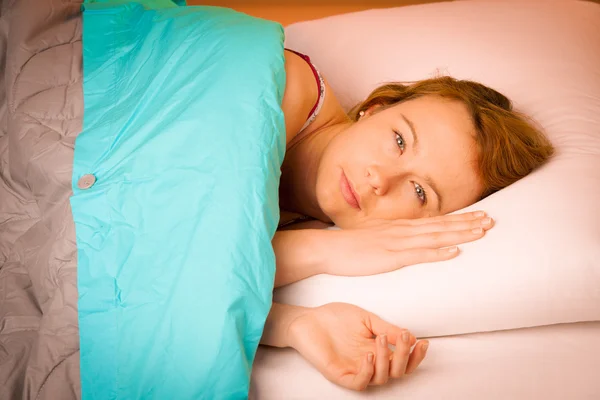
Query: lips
x: 348, y: 192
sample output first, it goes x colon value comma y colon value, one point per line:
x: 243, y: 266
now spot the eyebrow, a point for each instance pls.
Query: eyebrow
x: 413, y: 131
x: 428, y: 179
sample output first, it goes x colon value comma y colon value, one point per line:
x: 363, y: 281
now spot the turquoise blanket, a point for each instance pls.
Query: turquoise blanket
x: 175, y: 198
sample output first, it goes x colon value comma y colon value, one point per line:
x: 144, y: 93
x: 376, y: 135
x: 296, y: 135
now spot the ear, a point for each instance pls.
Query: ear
x: 369, y: 111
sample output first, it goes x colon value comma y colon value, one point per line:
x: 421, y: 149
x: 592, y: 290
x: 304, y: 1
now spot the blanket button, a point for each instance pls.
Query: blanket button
x: 86, y: 181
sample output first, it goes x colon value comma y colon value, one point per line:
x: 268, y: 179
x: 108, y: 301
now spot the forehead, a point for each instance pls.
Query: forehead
x: 447, y: 151
x: 436, y: 114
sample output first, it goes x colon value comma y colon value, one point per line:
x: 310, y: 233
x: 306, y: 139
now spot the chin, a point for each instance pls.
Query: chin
x: 329, y: 212
x: 338, y: 217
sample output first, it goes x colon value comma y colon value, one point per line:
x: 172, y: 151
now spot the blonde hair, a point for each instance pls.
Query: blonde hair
x: 510, y: 146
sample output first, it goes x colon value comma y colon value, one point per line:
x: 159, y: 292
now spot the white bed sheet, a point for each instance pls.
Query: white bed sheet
x: 559, y: 362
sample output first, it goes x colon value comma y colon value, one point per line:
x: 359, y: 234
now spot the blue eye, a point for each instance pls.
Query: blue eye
x: 400, y: 141
x: 420, y: 192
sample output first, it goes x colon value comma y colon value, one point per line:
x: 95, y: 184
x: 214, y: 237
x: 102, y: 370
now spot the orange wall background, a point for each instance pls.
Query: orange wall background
x: 287, y: 12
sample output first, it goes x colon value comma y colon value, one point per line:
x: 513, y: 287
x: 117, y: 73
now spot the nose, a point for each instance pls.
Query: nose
x: 378, y: 180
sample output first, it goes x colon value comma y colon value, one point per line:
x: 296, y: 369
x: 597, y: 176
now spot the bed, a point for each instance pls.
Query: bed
x: 492, y: 313
x: 78, y: 320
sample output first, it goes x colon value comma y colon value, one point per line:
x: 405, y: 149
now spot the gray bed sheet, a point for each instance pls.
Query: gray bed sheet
x: 41, y: 113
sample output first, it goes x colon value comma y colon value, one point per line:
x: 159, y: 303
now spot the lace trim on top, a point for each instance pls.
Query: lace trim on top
x: 320, y: 102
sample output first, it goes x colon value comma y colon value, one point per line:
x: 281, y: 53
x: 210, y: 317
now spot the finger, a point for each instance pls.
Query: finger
x: 361, y: 380
x: 375, y: 222
x: 417, y: 356
x: 454, y: 217
x: 419, y: 256
x: 401, y: 355
x: 404, y: 258
x: 382, y: 361
x: 446, y: 226
x: 440, y: 239
x: 380, y: 327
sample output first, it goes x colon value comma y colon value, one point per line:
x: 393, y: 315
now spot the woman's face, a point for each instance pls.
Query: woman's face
x: 414, y: 159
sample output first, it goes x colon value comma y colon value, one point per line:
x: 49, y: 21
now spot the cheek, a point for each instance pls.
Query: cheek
x: 367, y: 142
x: 401, y: 205
x: 324, y: 187
x: 327, y: 189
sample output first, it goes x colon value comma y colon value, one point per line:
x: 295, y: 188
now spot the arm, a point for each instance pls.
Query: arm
x: 277, y: 326
x: 298, y: 254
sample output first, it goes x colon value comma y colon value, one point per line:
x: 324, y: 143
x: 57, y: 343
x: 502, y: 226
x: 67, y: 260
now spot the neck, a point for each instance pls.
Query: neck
x: 298, y: 188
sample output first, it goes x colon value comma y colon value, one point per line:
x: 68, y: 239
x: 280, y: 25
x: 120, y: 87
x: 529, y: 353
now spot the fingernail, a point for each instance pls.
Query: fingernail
x: 370, y: 357
x: 486, y: 221
x: 477, y: 231
x: 425, y: 346
x: 383, y: 340
x: 405, y: 336
x: 479, y: 213
x: 452, y: 249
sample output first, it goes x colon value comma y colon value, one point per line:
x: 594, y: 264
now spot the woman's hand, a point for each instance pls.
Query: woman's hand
x: 383, y: 246
x: 349, y: 345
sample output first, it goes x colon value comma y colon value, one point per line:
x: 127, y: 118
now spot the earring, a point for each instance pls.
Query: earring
x: 361, y: 114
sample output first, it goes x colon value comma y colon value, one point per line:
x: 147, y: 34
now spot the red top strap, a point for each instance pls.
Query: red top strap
x: 315, y: 73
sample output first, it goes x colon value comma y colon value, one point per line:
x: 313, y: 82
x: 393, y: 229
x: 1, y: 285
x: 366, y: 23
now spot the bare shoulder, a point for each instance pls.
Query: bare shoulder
x: 301, y: 94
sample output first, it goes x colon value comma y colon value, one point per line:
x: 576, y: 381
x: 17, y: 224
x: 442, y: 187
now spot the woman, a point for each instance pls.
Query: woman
x: 387, y: 173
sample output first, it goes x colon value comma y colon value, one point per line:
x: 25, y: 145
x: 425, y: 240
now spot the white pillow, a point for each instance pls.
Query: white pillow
x: 540, y: 264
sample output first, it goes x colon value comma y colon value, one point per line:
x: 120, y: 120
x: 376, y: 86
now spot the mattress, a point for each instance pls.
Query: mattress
x: 550, y: 362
